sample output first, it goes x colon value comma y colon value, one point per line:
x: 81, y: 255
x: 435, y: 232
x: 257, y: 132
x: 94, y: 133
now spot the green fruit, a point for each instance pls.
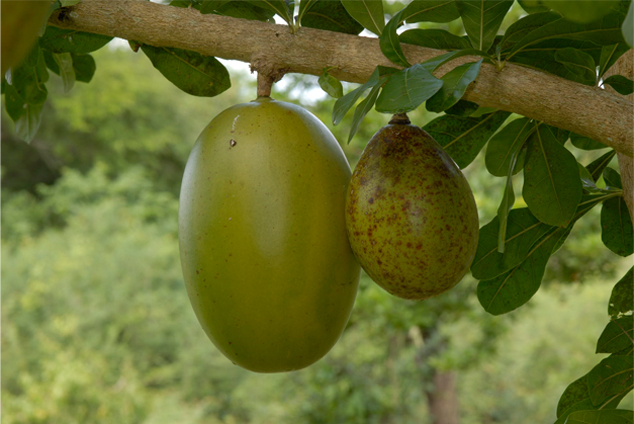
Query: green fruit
x: 410, y: 214
x: 21, y: 21
x: 267, y: 264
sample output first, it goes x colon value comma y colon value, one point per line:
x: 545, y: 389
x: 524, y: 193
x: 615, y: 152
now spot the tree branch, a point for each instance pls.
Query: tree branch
x: 591, y: 112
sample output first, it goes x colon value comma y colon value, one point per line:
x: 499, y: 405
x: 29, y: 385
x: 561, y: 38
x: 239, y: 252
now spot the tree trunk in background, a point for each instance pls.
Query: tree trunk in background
x: 443, y: 400
x: 625, y: 66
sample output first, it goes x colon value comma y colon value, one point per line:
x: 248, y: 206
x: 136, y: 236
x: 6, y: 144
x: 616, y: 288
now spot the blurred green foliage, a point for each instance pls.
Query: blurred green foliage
x: 97, y: 327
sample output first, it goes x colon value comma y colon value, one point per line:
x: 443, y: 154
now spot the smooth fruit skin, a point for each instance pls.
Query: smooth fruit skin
x: 21, y: 21
x: 267, y: 264
x: 410, y: 214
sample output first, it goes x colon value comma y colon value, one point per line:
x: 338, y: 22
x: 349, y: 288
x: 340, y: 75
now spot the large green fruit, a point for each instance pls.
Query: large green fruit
x: 267, y: 264
x: 21, y: 21
x: 411, y: 217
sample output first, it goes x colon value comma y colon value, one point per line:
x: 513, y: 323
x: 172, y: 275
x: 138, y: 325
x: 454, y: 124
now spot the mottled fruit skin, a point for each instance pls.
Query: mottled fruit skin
x: 265, y: 256
x: 21, y: 21
x: 410, y: 214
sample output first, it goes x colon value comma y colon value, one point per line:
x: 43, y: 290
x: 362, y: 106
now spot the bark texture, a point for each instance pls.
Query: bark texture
x: 443, y: 401
x: 625, y: 66
x: 592, y: 112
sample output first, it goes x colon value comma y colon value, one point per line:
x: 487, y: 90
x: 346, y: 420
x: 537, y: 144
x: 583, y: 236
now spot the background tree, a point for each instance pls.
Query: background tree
x: 415, y: 334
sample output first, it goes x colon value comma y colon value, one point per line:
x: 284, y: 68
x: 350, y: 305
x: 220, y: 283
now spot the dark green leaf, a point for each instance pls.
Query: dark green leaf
x: 616, y: 227
x: 577, y: 398
x: 431, y: 11
x: 28, y: 123
x: 628, y: 27
x: 482, y: 19
x: 620, y: 84
x: 609, y: 55
x: 60, y: 40
x: 523, y: 231
x: 344, y: 104
x: 389, y: 41
x: 622, y: 297
x: 434, y: 39
x: 560, y: 134
x: 524, y: 26
x: 280, y: 7
x: 329, y: 15
x: 604, y: 31
x: 190, y: 71
x: 244, y: 10
x: 508, y: 200
x: 13, y: 102
x: 612, y: 178
x: 210, y: 6
x: 504, y: 144
x: 597, y: 166
x: 581, y: 11
x: 368, y: 13
x: 613, y: 416
x: 515, y: 287
x: 585, y: 143
x: 616, y: 336
x: 84, y: 66
x: 331, y: 85
x: 304, y: 5
x: 578, y: 62
x: 407, y: 89
x: 181, y: 3
x: 611, y: 377
x: 462, y: 108
x: 463, y: 137
x: 532, y: 6
x: 455, y: 83
x: 552, y: 187
x: 586, y: 180
x: 64, y: 63
x: 364, y: 107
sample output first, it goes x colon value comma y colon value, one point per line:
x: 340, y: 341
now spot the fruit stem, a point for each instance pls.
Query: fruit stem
x: 265, y: 83
x: 400, y: 118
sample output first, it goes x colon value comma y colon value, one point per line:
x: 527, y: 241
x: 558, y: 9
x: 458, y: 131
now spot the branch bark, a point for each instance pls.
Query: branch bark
x: 592, y: 112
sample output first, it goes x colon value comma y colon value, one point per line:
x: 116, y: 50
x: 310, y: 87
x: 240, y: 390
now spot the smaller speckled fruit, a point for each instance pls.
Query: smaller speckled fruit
x: 411, y: 218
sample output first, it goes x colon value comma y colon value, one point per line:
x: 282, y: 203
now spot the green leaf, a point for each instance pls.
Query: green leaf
x: 616, y: 227
x: 434, y: 39
x: 462, y: 108
x: 329, y: 15
x: 581, y: 11
x: 579, y: 63
x: 552, y: 187
x: 439, y: 11
x: 586, y: 180
x: 616, y: 336
x: 190, y: 71
x: 602, y: 32
x: 304, y: 5
x: 64, y: 63
x: 609, y: 55
x: 622, y: 297
x: 463, y: 137
x: 504, y: 144
x: 29, y: 122
x: 364, y: 107
x: 436, y: 62
x: 577, y: 398
x: 60, y: 40
x: 368, y: 13
x: 628, y: 27
x: 612, y: 178
x: 532, y: 6
x: 330, y: 85
x: 611, y: 377
x: 67, y: 3
x: 280, y: 7
x: 389, y: 41
x: 597, y: 166
x: 482, y: 19
x: 524, y: 26
x: 508, y: 199
x: 613, y: 416
x: 620, y: 84
x: 407, y: 89
x: 209, y: 6
x: 244, y: 10
x: 515, y: 287
x: 345, y: 103
x: 585, y: 143
x: 523, y: 231
x: 455, y: 83
x: 84, y: 66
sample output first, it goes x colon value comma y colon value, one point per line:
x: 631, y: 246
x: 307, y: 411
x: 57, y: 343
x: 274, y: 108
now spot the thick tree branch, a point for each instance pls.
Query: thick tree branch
x: 592, y: 112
